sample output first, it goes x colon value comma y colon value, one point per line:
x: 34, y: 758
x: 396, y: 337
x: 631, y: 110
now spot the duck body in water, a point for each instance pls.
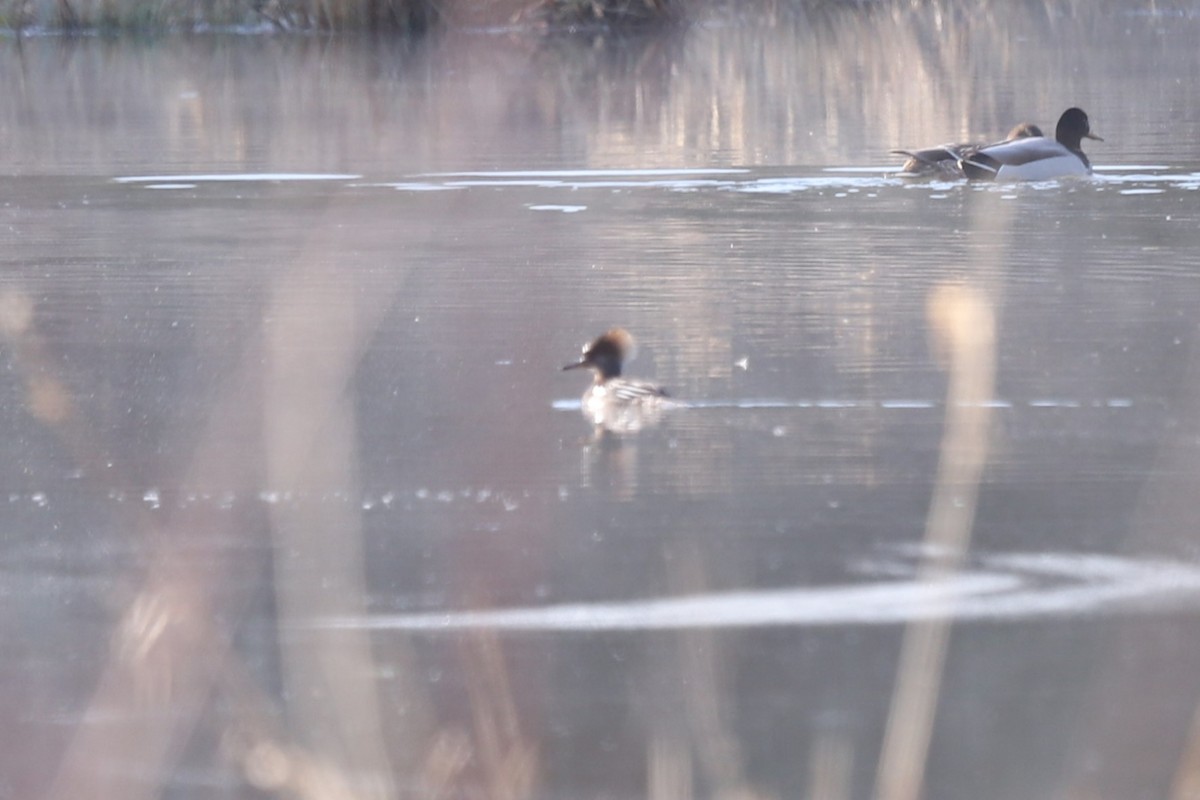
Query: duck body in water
x: 614, y: 402
x: 1036, y: 158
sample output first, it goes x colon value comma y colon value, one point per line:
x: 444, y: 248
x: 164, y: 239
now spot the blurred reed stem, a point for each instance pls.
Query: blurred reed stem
x: 963, y: 322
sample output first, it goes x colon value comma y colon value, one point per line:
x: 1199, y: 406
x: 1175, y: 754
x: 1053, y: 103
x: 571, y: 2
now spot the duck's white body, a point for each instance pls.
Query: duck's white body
x: 624, y: 406
x: 1034, y: 159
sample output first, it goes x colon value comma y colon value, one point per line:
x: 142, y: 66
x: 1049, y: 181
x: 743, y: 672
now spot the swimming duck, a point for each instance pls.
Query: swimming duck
x: 613, y: 402
x: 1036, y: 158
x: 942, y: 161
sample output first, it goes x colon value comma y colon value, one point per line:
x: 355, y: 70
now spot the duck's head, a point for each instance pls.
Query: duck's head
x: 605, y: 354
x: 1073, y: 128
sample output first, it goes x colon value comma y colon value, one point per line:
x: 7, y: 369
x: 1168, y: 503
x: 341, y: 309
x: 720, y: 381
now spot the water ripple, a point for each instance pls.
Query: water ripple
x: 995, y: 587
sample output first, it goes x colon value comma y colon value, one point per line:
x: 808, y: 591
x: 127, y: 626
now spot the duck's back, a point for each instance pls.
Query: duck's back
x: 624, y: 390
x: 1032, y: 159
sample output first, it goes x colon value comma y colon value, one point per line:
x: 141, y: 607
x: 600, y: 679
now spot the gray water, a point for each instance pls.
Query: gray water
x: 295, y: 498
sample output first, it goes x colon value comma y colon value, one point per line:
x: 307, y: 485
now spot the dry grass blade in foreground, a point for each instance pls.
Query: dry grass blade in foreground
x: 963, y: 322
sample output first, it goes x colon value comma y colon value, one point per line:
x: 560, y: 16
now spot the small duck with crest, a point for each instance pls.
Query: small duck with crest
x: 613, y: 402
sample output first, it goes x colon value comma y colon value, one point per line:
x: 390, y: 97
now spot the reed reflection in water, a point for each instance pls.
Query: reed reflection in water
x: 831, y: 86
x: 298, y: 503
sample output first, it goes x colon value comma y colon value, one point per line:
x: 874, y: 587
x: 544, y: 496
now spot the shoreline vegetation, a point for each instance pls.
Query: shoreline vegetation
x: 115, y: 17
x: 414, y: 17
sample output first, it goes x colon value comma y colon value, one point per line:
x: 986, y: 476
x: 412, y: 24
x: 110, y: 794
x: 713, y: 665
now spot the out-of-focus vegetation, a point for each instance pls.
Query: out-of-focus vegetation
x: 117, y: 16
x: 416, y: 16
x: 408, y: 16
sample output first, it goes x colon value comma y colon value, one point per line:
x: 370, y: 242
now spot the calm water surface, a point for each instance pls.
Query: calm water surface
x: 296, y: 500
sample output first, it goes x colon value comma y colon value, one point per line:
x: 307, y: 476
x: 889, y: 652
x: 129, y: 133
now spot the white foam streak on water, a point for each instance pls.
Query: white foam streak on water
x: 909, y: 403
x: 802, y: 183
x: 584, y: 173
x: 483, y: 183
x: 677, y: 184
x: 1127, y: 167
x: 1001, y: 587
x: 410, y: 186
x: 1106, y: 583
x: 1053, y: 403
x: 264, y: 177
x: 865, y: 604
x: 563, y: 209
x: 1183, y: 180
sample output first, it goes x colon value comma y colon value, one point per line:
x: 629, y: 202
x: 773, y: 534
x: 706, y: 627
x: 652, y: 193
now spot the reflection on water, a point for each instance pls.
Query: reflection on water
x: 282, y: 321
